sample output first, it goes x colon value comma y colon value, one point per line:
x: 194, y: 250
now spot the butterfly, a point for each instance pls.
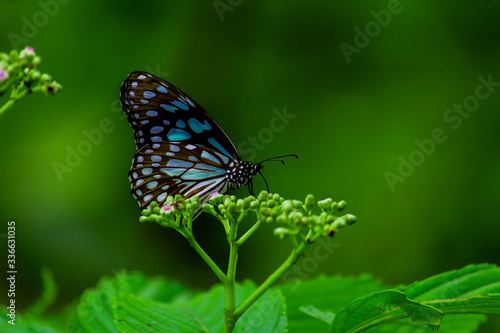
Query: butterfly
x: 180, y: 147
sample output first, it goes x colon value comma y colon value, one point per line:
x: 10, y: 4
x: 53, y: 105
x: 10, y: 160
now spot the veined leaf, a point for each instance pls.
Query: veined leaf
x: 202, y: 313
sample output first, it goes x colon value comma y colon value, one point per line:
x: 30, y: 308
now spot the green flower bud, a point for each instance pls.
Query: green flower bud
x: 35, y: 75
x: 143, y: 219
x: 239, y: 203
x: 281, y: 232
x: 297, y: 204
x: 13, y: 55
x: 37, y: 60
x: 207, y: 208
x: 227, y: 200
x: 276, y: 197
x: 271, y: 203
x: 232, y: 208
x: 342, y: 205
x: 287, y: 206
x: 281, y: 219
x: 262, y: 196
x: 269, y: 220
x: 265, y: 211
x: 146, y: 212
x: 220, y: 207
x: 309, y: 202
x: 341, y: 222
x: 246, y: 203
x: 254, y: 204
x: 351, y: 219
x: 325, y: 204
x: 47, y: 77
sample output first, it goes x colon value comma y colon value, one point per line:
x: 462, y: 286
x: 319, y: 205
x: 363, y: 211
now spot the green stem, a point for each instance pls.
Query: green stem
x: 7, y: 105
x: 271, y: 280
x: 17, y: 93
x: 249, y: 233
x: 229, y: 286
x: 194, y: 244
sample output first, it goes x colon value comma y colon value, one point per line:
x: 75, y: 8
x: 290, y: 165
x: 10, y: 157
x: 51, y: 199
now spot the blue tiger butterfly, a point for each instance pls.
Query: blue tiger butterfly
x: 180, y: 147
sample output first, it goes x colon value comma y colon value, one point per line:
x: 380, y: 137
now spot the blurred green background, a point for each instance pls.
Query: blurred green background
x: 355, y: 118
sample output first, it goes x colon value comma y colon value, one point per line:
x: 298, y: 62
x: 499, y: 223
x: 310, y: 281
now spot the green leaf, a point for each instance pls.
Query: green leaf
x: 468, y: 281
x: 135, y: 314
x: 325, y: 294
x: 365, y: 312
x: 95, y: 311
x: 204, y: 312
x: 325, y: 316
x: 456, y: 290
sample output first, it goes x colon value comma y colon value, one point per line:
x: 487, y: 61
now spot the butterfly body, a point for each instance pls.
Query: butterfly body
x: 180, y: 147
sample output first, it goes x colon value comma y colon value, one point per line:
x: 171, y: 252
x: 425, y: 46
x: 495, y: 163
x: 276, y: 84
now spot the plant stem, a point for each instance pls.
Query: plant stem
x: 229, y: 286
x: 271, y: 280
x: 249, y: 232
x: 7, y: 105
x: 205, y: 257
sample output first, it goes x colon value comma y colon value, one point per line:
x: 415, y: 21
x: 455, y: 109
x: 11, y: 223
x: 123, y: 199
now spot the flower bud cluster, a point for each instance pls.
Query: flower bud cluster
x: 291, y: 217
x: 175, y: 212
x: 20, y: 70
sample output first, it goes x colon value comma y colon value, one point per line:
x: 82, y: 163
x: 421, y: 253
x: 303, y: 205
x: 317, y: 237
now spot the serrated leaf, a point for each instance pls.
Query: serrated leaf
x: 365, y: 312
x: 135, y: 314
x: 454, y: 286
x: 204, y: 312
x: 468, y: 281
x: 95, y: 311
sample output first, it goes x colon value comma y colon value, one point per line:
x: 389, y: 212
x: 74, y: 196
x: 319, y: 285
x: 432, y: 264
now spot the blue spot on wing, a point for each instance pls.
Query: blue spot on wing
x: 209, y: 156
x: 162, y: 89
x: 202, y: 166
x: 179, y: 164
x: 193, y: 174
x: 198, y: 127
x: 180, y: 105
x: 181, y: 124
x: 178, y: 135
x: 149, y: 94
x: 168, y: 107
x: 217, y: 145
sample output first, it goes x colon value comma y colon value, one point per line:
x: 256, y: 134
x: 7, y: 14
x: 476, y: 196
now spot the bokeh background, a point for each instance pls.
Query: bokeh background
x: 352, y: 119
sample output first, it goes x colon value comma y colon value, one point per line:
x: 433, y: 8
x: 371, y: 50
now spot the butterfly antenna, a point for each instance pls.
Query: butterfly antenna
x: 250, y: 186
x: 277, y: 158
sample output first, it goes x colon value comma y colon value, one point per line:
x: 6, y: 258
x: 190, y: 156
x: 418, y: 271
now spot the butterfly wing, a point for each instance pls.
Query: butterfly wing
x: 169, y: 168
x: 160, y: 112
